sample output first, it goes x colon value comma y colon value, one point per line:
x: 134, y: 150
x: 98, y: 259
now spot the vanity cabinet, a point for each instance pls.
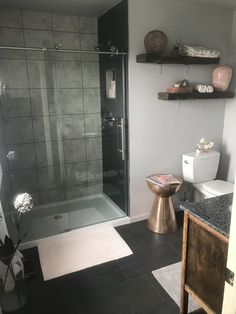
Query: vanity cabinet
x: 203, y: 266
x: 204, y: 253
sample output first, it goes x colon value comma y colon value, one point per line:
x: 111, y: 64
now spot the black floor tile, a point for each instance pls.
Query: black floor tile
x: 125, y: 298
x: 88, y: 281
x: 125, y: 286
x: 177, y: 245
x: 139, y: 238
x: 166, y: 307
x: 148, y: 260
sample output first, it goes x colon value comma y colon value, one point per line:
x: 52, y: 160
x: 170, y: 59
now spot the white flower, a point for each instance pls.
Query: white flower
x: 23, y: 202
x: 204, y: 145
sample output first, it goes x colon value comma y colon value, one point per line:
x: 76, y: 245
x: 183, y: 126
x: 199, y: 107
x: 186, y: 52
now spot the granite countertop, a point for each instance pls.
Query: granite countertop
x: 215, y: 212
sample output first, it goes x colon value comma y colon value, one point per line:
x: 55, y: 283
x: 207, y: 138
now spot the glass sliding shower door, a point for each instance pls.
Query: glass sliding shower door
x: 56, y: 144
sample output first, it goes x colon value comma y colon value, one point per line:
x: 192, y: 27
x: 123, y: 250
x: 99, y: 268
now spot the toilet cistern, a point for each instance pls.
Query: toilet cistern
x: 200, y: 168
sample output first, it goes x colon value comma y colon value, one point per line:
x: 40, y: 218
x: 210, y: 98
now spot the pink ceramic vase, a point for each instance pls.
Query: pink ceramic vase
x: 221, y: 77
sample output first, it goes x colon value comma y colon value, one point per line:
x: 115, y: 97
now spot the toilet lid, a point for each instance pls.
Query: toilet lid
x: 218, y: 187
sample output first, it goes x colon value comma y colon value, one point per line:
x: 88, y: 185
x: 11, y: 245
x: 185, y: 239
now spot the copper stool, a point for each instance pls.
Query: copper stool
x: 162, y: 216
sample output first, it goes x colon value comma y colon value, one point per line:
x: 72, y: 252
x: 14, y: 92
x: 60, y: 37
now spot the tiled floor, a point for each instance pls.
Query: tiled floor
x: 125, y: 286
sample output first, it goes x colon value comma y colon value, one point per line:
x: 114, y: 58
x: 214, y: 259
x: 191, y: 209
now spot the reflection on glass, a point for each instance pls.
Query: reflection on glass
x: 111, y: 84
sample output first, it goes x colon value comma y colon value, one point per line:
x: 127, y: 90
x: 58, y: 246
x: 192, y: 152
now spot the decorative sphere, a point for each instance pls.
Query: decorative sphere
x: 155, y: 42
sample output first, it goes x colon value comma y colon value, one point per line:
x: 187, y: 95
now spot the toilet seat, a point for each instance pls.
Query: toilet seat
x: 215, y: 187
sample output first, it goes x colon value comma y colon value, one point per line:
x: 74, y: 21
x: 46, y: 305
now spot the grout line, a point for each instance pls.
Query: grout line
x: 86, y: 148
x: 32, y: 124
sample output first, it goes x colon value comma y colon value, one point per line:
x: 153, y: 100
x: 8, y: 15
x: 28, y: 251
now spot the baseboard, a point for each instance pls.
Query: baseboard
x: 139, y: 217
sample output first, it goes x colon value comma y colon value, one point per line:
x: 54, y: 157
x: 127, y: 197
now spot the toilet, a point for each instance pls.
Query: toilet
x: 200, y: 170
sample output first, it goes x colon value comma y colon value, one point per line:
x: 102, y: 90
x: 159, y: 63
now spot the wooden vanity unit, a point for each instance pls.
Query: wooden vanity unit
x: 204, y: 254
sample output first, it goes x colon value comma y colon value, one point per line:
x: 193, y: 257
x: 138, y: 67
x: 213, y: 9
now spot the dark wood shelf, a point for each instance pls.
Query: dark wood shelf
x: 194, y: 95
x: 151, y: 58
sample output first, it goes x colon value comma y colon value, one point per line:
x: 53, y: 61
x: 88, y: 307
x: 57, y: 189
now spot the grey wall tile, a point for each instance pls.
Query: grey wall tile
x: 51, y: 196
x: 69, y: 74
x: 47, y: 128
x: 67, y: 23
x: 49, y: 153
x: 41, y: 74
x: 87, y: 42
x: 92, y: 125
x: 94, y: 148
x: 61, y: 56
x: 16, y: 102
x: 74, y: 97
x: 37, y: 20
x: 3, y: 159
x: 88, y: 25
x: 10, y: 18
x: 74, y: 150
x: 5, y: 191
x: 11, y: 37
x: 95, y: 171
x: 71, y: 101
x: 35, y: 197
x: 19, y: 130
x: 68, y: 40
x: 76, y: 173
x: 7, y: 209
x: 24, y: 156
x: 24, y: 181
x: 95, y: 188
x: 44, y: 101
x: 39, y: 39
x: 76, y: 191
x: 72, y: 126
x: 92, y: 100
x: 12, y: 54
x: 2, y: 132
x: 50, y: 177
x: 14, y: 73
x: 90, y: 72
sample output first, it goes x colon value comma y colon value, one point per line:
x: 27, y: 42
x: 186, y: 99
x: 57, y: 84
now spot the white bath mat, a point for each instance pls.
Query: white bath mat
x: 169, y: 278
x: 79, y: 250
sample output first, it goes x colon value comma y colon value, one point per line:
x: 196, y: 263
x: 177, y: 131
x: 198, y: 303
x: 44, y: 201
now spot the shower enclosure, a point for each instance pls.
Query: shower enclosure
x: 62, y: 123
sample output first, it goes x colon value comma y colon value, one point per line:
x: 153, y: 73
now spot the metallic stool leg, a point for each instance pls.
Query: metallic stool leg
x: 162, y: 216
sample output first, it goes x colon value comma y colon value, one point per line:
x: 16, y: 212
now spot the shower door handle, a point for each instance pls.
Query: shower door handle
x: 120, y: 131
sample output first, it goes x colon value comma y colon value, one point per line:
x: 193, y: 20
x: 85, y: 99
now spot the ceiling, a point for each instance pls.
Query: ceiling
x: 92, y: 8
x: 88, y: 7
x: 223, y: 3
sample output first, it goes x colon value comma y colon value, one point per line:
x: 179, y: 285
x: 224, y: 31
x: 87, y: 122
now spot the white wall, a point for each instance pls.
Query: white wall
x: 228, y: 160
x: 161, y: 131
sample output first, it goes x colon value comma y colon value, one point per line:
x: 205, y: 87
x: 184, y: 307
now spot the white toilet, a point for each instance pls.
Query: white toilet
x: 201, y: 170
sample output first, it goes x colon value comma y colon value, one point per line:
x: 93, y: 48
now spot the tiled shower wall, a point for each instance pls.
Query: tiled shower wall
x: 50, y: 108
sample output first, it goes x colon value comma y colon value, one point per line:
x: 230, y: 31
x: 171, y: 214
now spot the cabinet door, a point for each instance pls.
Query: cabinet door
x: 206, y: 261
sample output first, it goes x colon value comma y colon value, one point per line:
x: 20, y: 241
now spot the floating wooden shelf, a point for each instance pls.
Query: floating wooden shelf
x: 152, y: 58
x: 194, y: 95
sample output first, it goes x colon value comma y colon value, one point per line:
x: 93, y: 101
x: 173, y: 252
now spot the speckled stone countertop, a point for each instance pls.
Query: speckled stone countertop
x: 215, y: 212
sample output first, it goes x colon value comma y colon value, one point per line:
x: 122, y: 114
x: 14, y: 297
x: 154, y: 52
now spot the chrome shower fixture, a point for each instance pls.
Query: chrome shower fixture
x: 59, y: 45
x: 106, y: 46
